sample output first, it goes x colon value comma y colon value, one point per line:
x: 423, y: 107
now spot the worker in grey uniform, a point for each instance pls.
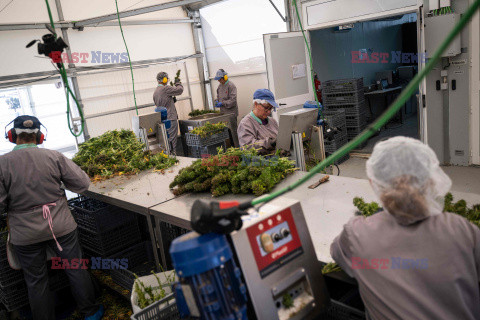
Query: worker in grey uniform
x: 39, y: 217
x: 258, y: 129
x: 412, y: 260
x: 226, y: 96
x: 164, y: 97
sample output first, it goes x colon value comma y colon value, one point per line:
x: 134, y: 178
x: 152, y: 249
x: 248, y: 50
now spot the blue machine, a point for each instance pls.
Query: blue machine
x: 163, y: 112
x: 210, y: 283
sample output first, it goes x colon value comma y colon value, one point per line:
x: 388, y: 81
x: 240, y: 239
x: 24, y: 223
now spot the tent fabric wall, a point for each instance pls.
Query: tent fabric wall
x: 109, y: 90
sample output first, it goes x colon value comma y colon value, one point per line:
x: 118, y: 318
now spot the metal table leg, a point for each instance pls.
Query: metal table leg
x: 154, y: 243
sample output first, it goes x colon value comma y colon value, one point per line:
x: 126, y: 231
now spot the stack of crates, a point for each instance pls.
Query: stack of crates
x: 336, y: 120
x: 199, y: 146
x: 104, y: 229
x: 13, y: 289
x: 347, y: 94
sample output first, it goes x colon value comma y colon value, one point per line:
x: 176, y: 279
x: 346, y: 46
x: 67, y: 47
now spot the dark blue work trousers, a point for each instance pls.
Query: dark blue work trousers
x: 32, y: 259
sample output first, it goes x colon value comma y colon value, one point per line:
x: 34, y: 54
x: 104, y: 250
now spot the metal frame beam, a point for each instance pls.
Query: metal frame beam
x: 278, y: 11
x: 77, y: 70
x: 29, y: 26
x: 134, y: 12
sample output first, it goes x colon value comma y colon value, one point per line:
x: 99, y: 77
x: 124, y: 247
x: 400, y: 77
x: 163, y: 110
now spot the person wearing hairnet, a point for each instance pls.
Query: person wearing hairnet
x: 164, y: 97
x: 412, y: 260
x: 226, y: 96
x: 257, y: 129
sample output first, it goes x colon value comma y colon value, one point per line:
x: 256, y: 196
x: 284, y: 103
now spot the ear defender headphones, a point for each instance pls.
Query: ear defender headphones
x: 164, y: 80
x: 11, y: 134
x: 225, y: 77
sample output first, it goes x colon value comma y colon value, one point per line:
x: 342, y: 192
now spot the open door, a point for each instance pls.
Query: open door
x: 288, y: 70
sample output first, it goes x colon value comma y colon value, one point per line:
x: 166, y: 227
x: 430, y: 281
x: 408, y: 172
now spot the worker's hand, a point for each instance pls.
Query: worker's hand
x: 177, y: 82
x: 272, y: 142
x: 218, y: 105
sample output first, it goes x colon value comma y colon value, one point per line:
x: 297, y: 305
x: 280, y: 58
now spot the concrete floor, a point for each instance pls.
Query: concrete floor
x: 465, y: 180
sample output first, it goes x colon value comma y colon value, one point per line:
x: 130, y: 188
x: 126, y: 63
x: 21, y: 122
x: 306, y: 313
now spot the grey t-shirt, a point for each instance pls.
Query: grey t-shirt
x: 427, y: 270
x: 30, y: 178
x: 253, y: 133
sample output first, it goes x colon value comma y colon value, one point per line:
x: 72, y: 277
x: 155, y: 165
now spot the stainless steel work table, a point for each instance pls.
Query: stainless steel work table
x: 327, y: 208
x: 140, y: 192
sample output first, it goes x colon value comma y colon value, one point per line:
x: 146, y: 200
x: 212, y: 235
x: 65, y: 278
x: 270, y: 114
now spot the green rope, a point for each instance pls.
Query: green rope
x: 68, y: 91
x: 310, y: 58
x: 128, y: 53
x: 387, y: 115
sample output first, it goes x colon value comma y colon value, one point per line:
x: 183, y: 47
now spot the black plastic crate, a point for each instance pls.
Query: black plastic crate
x: 335, y: 118
x: 352, y: 132
x: 91, y: 214
x: 342, y: 85
x: 9, y: 276
x: 165, y: 309
x: 335, y: 144
x: 14, y: 296
x: 140, y: 262
x: 358, y: 120
x: 169, y: 233
x: 350, y: 109
x: 341, y: 311
x: 194, y: 140
x: 344, y: 98
x: 106, y: 243
x: 198, y: 152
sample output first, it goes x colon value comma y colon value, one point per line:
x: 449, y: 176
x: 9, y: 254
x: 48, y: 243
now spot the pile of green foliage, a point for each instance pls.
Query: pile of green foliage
x: 233, y: 171
x: 117, y: 153
x: 366, y: 209
x: 460, y: 207
x: 197, y: 112
x: 208, y: 129
x: 148, y: 294
x: 331, y: 267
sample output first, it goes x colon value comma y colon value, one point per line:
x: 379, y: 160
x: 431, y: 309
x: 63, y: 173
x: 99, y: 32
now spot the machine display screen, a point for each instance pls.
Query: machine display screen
x: 274, y: 242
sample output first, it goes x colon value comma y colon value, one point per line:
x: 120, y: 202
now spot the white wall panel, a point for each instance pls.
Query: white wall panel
x: 15, y: 58
x: 86, y: 9
x: 324, y: 11
x: 144, y: 42
x: 26, y: 11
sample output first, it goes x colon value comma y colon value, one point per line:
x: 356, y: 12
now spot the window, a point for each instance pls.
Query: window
x: 48, y: 103
x: 233, y: 32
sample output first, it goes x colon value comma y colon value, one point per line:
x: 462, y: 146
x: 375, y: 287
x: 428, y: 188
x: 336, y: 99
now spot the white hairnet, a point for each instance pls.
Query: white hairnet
x: 416, y: 166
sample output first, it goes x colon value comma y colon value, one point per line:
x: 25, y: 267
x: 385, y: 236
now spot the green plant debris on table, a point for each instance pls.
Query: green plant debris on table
x: 331, y: 267
x: 118, y: 153
x: 287, y: 301
x: 366, y: 209
x: 196, y: 113
x: 147, y: 294
x: 233, y: 171
x: 208, y: 129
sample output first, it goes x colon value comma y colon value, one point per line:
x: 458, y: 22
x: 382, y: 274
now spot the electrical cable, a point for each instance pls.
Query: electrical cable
x: 68, y: 91
x: 311, y: 60
x: 128, y: 53
x: 338, y: 168
x: 384, y: 118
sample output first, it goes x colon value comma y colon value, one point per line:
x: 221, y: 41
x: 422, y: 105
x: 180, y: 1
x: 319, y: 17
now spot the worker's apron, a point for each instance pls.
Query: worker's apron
x: 11, y: 255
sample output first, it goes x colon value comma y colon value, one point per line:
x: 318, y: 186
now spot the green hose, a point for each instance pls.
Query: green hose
x: 386, y: 116
x: 129, y: 60
x: 68, y: 91
x: 310, y: 58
